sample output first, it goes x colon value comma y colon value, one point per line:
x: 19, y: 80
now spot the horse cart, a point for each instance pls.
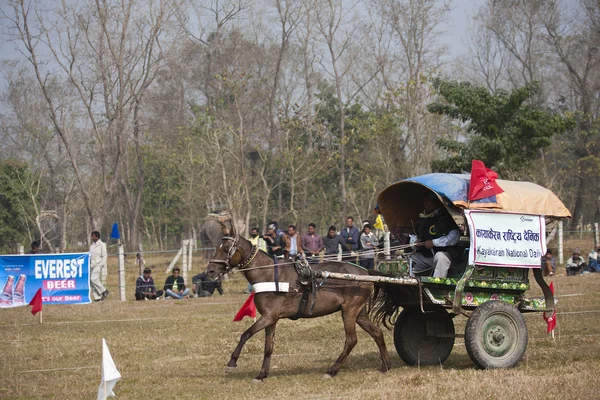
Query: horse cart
x: 503, y: 238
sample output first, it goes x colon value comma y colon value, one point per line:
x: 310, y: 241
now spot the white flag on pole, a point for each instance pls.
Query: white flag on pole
x: 110, y: 374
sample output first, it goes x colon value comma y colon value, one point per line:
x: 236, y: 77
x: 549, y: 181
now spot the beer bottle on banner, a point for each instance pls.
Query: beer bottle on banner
x: 19, y: 293
x: 6, y: 297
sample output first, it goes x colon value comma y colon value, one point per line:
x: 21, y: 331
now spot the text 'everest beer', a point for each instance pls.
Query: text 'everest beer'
x: 19, y: 293
x: 6, y: 297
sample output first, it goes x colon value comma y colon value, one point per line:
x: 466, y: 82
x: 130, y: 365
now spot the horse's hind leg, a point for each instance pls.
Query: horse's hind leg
x: 269, y: 344
x: 375, y: 332
x: 349, y: 318
x: 258, y: 326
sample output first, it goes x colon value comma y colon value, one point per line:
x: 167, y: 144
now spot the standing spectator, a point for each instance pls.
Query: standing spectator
x: 593, y: 261
x: 333, y: 241
x: 144, y: 287
x: 97, y: 264
x: 35, y: 248
x: 204, y: 287
x: 368, y: 243
x: 293, y: 247
x: 280, y: 233
x: 350, y: 236
x: 274, y: 242
x: 312, y: 242
x: 175, y: 286
x: 575, y: 264
x: 257, y: 241
x: 548, y: 264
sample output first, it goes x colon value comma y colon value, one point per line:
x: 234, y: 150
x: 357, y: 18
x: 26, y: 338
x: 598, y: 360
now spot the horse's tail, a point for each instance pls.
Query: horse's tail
x: 385, y: 302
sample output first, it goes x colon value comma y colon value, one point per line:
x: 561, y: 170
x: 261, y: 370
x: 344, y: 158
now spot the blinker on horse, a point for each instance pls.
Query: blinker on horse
x: 279, y: 295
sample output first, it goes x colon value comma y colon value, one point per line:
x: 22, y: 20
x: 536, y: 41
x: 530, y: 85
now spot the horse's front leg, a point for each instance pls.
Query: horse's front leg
x: 258, y: 326
x: 269, y: 345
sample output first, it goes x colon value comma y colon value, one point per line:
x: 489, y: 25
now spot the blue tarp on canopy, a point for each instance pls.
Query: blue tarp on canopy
x: 455, y: 187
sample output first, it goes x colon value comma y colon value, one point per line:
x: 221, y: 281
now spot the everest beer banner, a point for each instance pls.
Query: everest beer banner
x: 506, y: 240
x: 64, y: 278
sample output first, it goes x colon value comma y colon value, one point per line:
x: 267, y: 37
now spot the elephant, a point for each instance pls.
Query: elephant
x: 211, y: 231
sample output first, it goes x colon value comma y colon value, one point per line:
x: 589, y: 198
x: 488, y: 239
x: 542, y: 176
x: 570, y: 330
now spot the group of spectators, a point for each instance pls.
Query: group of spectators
x: 350, y: 241
x: 175, y: 287
x: 576, y: 265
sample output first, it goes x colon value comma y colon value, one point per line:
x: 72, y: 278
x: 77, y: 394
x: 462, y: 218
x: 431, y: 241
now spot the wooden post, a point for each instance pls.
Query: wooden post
x: 20, y: 249
x: 175, y: 259
x: 190, y: 254
x: 596, y: 235
x: 560, y: 242
x: 121, y: 271
x: 184, y: 245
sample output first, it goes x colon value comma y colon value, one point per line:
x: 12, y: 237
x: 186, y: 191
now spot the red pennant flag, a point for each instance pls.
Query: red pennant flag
x: 551, y: 321
x: 36, y: 302
x: 247, y: 310
x: 483, y: 182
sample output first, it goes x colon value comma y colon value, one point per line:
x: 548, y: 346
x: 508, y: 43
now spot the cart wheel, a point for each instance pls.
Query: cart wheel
x: 424, y: 339
x: 496, y: 335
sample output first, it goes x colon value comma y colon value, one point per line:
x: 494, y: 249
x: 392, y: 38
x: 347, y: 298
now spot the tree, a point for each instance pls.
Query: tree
x: 15, y: 205
x: 500, y: 128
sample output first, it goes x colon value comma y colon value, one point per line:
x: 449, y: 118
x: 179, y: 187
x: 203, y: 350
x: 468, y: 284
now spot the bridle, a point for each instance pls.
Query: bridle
x: 231, y: 252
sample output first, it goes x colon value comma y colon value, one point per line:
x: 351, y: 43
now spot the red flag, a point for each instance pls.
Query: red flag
x: 551, y: 321
x: 483, y: 182
x: 247, y: 310
x: 36, y: 302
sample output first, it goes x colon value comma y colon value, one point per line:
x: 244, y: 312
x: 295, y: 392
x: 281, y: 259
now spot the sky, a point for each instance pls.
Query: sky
x: 456, y: 29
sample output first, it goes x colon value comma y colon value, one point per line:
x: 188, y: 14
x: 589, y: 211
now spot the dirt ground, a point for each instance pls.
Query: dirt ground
x: 178, y: 349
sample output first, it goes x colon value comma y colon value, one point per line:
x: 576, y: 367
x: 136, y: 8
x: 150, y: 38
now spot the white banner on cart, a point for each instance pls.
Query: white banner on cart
x: 506, y: 240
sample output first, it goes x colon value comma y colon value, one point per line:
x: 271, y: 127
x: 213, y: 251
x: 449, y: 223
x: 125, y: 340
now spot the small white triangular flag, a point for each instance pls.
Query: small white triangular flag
x: 110, y: 374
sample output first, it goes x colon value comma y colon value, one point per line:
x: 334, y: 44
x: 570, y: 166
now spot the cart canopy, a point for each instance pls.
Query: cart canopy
x: 401, y: 202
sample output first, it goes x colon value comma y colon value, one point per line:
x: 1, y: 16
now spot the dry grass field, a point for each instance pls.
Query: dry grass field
x: 178, y: 350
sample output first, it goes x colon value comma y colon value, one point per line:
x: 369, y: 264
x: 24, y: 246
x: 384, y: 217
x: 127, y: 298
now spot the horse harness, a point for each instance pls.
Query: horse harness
x: 307, y: 275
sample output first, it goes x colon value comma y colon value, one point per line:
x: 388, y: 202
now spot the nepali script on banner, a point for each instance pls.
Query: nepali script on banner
x: 506, y: 240
x: 64, y: 278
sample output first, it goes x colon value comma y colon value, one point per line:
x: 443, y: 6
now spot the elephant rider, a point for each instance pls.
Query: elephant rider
x: 437, y: 237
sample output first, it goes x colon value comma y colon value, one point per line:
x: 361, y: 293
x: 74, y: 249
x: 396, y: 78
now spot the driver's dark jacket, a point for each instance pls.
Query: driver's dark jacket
x: 433, y: 226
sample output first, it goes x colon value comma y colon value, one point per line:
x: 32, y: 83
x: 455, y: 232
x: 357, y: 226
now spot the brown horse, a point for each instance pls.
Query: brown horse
x: 350, y: 298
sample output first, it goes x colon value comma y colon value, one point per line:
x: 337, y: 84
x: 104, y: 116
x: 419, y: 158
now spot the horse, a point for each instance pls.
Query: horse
x: 351, y: 298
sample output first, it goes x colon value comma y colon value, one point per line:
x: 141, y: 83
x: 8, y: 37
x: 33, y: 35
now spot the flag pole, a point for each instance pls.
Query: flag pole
x: 41, y: 312
x: 105, y: 396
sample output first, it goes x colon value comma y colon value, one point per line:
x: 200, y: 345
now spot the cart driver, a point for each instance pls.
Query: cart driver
x: 437, y: 237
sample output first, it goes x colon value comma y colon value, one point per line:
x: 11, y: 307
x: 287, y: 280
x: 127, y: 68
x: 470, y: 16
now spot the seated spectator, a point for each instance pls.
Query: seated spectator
x: 144, y: 287
x: 593, y: 261
x: 368, y: 242
x: 175, y: 286
x: 204, y: 287
x: 333, y: 241
x: 575, y: 264
x: 35, y: 248
x: 548, y: 264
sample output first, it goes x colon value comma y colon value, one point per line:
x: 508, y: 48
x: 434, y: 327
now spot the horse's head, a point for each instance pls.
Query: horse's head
x: 228, y: 254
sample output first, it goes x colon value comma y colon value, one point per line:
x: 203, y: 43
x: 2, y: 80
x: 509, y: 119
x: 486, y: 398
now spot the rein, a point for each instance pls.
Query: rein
x: 232, y: 250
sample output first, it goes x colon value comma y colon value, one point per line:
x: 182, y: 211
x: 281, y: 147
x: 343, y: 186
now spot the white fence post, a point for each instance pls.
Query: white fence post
x: 386, y: 245
x: 184, y: 245
x: 596, y: 235
x: 190, y: 254
x: 122, y: 272
x: 560, y: 242
x: 175, y: 259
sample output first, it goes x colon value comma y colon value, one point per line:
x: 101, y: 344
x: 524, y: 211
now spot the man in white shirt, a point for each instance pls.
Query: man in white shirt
x: 97, y: 263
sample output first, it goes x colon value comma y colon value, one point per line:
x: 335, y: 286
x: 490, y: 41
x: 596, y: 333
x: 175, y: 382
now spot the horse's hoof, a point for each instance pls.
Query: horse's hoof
x: 327, y: 376
x: 229, y: 369
x: 256, y: 380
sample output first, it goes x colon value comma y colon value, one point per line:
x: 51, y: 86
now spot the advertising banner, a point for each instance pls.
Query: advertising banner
x: 505, y: 239
x: 64, y: 278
